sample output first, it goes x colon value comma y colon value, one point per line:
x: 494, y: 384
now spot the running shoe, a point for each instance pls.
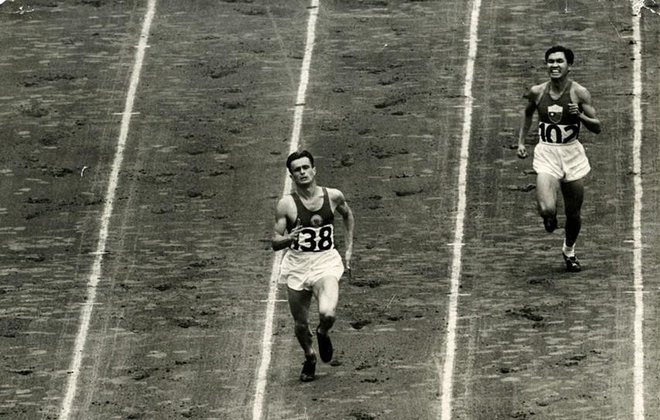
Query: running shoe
x: 572, y: 263
x: 325, y: 347
x: 550, y: 223
x: 309, y: 370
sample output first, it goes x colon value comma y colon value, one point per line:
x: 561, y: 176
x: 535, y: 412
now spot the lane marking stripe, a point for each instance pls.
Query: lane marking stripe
x: 452, y: 316
x: 267, y: 340
x: 86, y: 312
x: 638, y: 340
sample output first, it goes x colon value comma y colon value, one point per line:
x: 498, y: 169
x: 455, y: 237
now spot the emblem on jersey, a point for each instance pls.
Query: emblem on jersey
x: 555, y: 112
x: 316, y: 220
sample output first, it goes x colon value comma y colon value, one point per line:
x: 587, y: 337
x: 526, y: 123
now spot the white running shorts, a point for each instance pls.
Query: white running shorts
x: 566, y: 162
x: 300, y: 270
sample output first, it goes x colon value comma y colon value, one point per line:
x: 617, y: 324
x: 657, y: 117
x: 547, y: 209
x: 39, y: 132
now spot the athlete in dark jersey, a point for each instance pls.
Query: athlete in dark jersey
x: 311, y: 265
x: 317, y: 233
x: 560, y: 162
x: 556, y: 123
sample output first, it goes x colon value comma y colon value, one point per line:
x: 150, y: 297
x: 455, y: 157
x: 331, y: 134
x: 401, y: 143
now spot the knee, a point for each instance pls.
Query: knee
x: 327, y: 309
x: 546, y: 210
x: 302, y: 327
x: 327, y: 317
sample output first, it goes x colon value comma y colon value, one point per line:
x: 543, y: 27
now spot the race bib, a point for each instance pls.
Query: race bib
x: 558, y: 133
x: 315, y: 239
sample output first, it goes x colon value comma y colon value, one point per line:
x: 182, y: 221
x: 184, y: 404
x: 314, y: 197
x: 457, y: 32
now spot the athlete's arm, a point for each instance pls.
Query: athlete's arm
x: 281, y: 238
x: 349, y: 224
x: 585, y: 110
x: 527, y: 116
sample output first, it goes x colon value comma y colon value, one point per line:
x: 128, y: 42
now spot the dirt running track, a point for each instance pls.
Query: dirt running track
x: 179, y: 315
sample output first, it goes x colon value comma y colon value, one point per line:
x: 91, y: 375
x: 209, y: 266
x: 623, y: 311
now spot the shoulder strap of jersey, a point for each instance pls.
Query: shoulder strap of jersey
x: 546, y: 89
x: 299, y: 206
x: 296, y: 199
x: 573, y: 98
x: 327, y: 203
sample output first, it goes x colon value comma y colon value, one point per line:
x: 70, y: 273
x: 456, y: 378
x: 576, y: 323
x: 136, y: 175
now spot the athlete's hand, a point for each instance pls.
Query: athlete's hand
x: 347, y: 258
x: 574, y: 109
x: 293, y: 235
x: 522, y: 151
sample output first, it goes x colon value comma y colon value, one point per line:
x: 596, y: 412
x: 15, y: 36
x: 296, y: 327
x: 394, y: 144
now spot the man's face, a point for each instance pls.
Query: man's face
x: 557, y: 65
x: 302, y: 171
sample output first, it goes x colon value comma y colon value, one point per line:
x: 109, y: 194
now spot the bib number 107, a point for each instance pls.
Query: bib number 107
x: 557, y: 133
x: 314, y: 239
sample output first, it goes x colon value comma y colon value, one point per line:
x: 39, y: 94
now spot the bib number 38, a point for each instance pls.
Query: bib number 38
x: 314, y: 239
x: 557, y: 133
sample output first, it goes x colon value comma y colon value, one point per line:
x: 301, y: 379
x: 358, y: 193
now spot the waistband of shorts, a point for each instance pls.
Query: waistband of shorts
x: 310, y: 254
x: 322, y: 251
x: 570, y: 143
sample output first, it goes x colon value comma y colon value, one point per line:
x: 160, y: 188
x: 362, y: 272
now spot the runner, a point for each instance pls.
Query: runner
x: 311, y: 265
x: 560, y: 161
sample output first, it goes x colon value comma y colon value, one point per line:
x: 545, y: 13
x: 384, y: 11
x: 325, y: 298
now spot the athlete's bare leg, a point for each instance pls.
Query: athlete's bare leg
x: 326, y: 291
x: 573, y: 193
x: 547, y: 187
x: 299, y: 302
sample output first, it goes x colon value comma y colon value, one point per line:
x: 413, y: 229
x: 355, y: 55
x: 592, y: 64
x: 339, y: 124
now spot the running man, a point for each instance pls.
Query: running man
x: 311, y: 265
x: 560, y: 161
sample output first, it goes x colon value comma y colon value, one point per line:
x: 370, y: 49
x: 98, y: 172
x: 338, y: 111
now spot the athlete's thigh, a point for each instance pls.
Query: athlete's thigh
x: 299, y: 302
x: 546, y: 189
x: 573, y: 193
x: 326, y: 291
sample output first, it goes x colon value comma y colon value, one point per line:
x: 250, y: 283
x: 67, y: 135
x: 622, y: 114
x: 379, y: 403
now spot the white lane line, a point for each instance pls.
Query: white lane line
x: 267, y: 340
x: 638, y: 369
x: 450, y: 350
x: 86, y: 312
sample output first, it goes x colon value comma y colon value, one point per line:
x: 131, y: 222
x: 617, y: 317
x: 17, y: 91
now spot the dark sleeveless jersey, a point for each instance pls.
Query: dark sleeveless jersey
x: 556, y: 124
x: 317, y: 234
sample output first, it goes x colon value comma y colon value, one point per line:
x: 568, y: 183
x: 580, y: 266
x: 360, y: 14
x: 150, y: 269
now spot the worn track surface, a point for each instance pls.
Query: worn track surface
x: 177, y: 326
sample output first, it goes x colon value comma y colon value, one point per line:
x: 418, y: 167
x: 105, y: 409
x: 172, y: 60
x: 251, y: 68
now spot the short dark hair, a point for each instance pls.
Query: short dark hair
x: 568, y: 53
x: 299, y: 155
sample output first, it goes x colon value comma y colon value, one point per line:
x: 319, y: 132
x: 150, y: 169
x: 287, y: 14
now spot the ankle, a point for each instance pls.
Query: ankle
x: 569, y: 251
